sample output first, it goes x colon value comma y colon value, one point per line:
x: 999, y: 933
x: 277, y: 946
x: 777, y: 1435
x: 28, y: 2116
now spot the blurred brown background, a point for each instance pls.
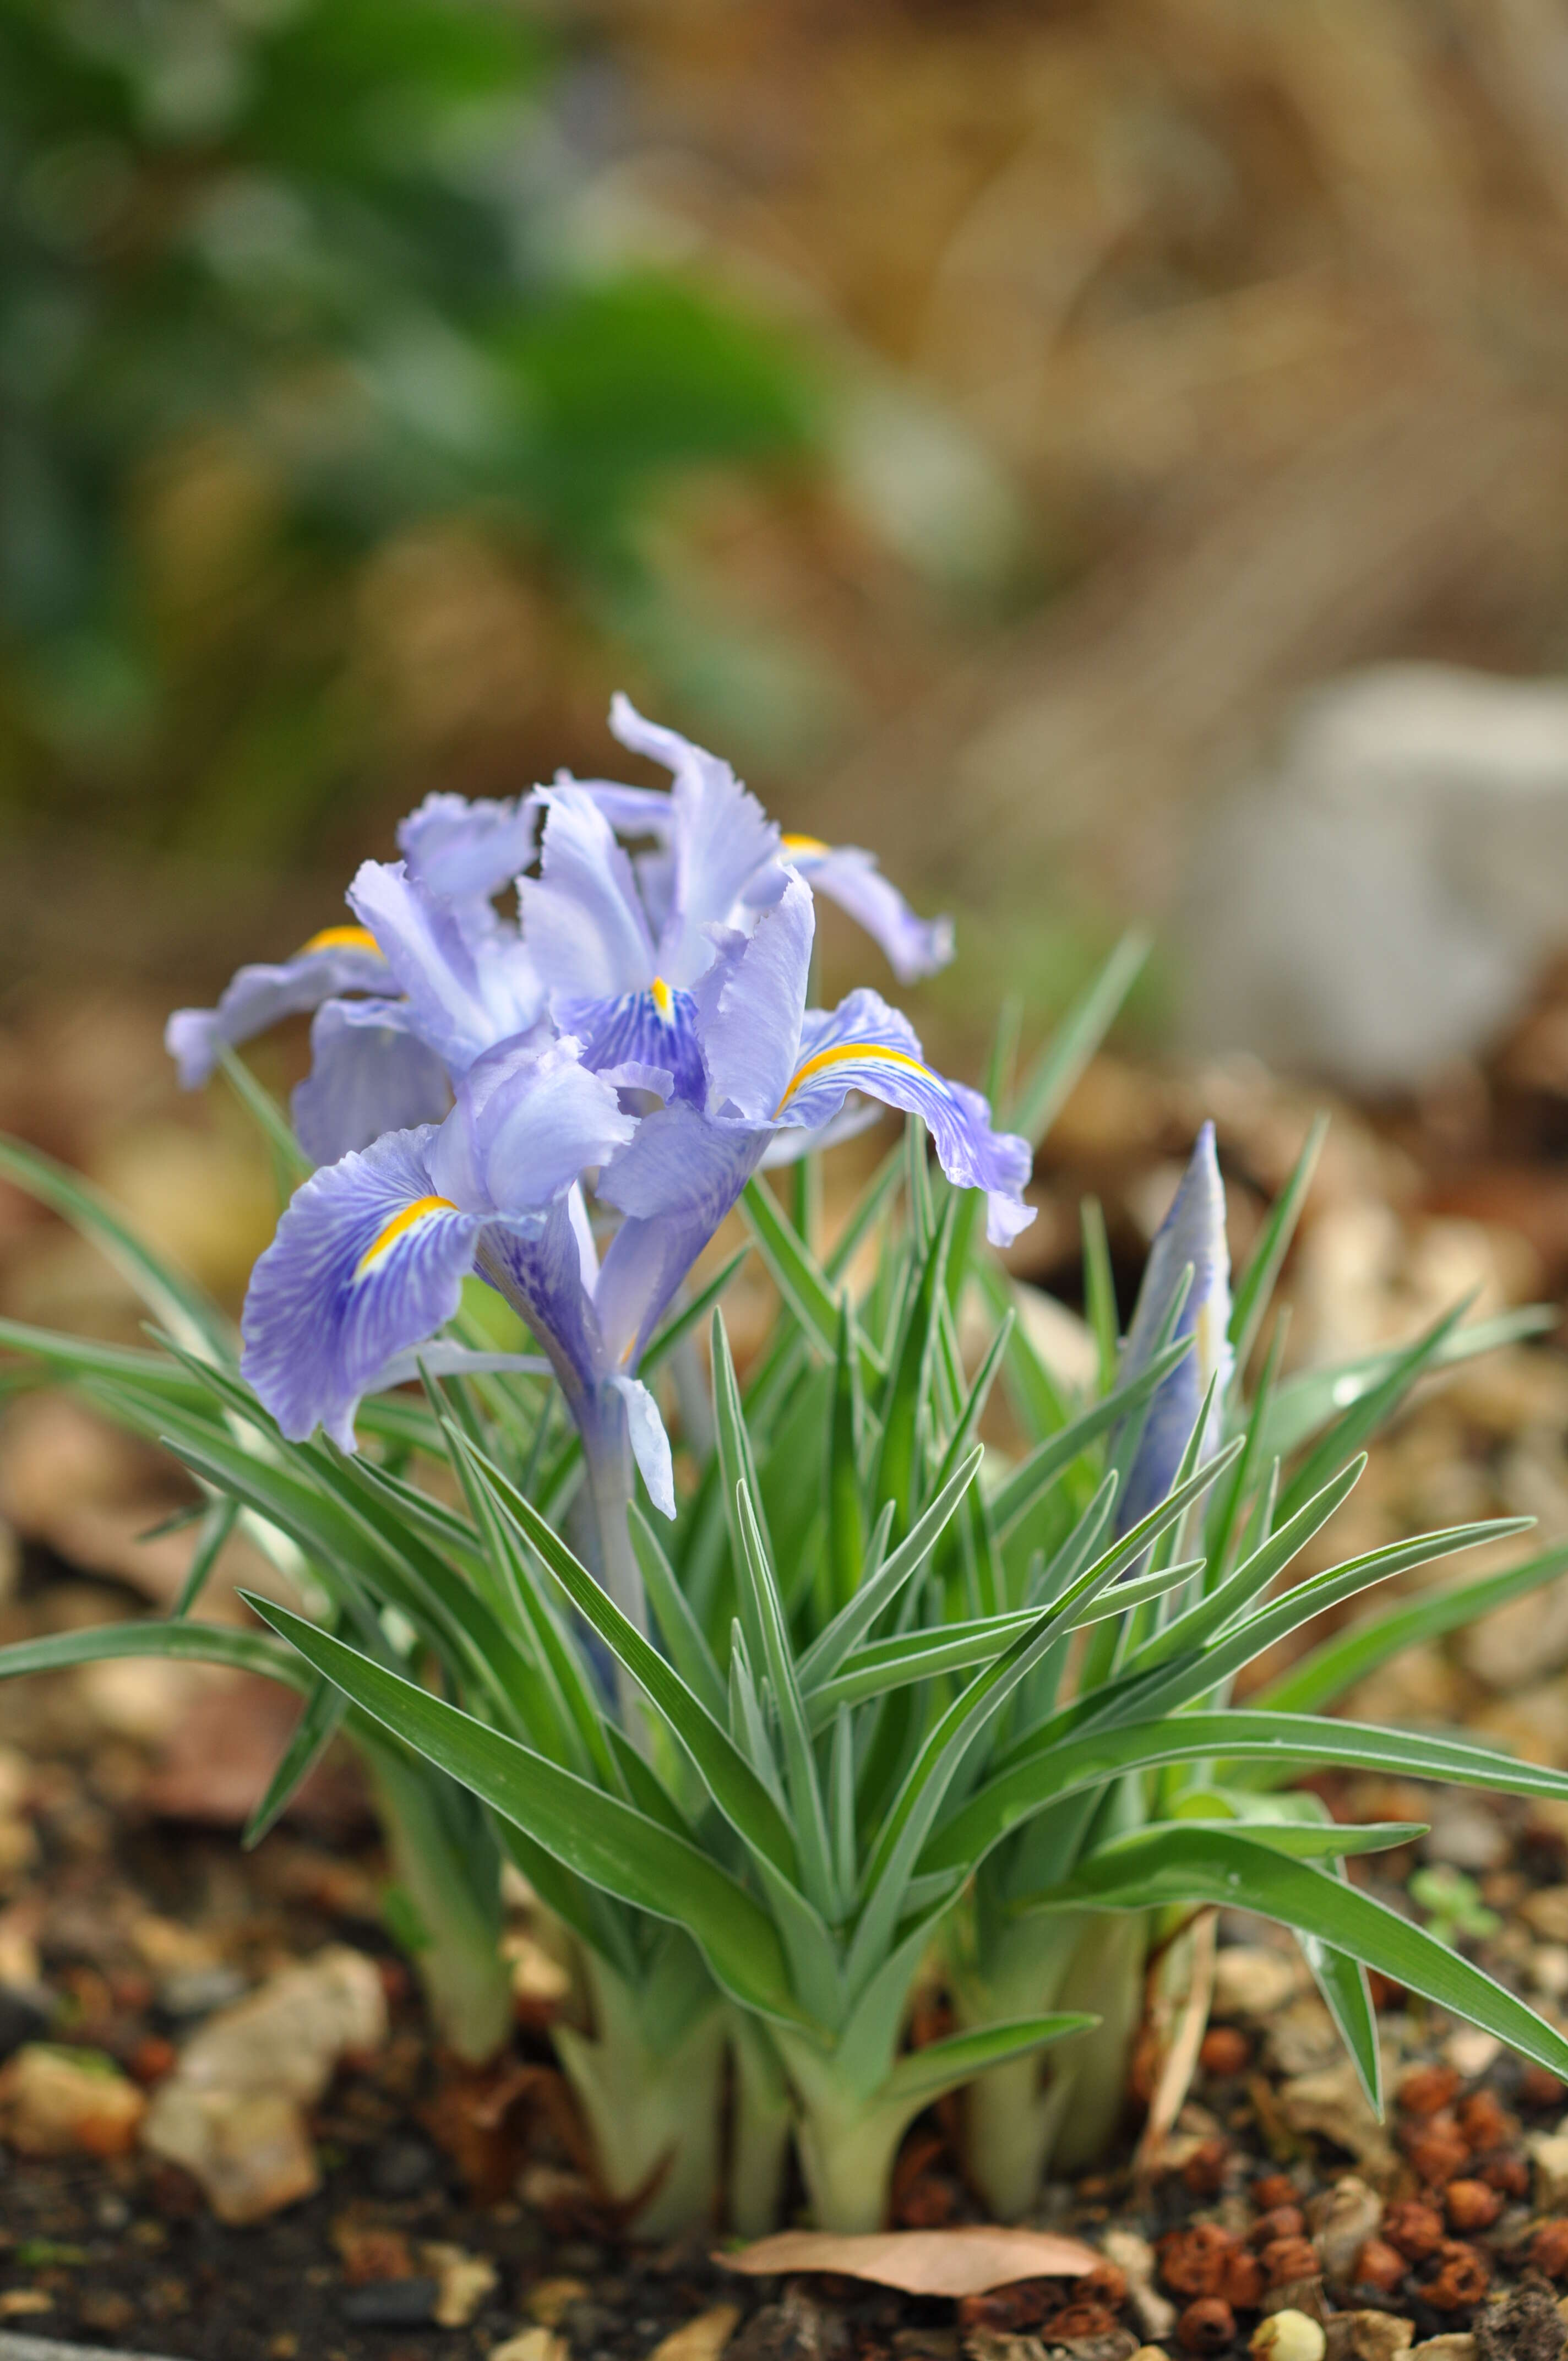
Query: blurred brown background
x: 1142, y: 362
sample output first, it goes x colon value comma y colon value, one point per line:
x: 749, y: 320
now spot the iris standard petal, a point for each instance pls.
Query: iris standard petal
x: 653, y: 1031
x: 465, y: 992
x: 866, y: 1046
x: 369, y: 1259
x: 468, y: 852
x: 370, y: 1073
x: 674, y: 1184
x: 720, y: 838
x: 530, y: 1117
x: 750, y: 1030
x: 913, y: 946
x: 340, y: 958
x: 1192, y: 1235
x: 582, y: 917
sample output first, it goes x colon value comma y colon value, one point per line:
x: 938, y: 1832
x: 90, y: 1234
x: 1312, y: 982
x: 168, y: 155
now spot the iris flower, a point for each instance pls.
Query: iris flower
x: 640, y: 1034
x: 1191, y: 1236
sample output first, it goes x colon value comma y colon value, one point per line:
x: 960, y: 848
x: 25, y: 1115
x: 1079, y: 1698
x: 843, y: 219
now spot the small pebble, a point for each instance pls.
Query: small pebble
x: 401, y: 2168
x: 198, y: 1991
x: 1206, y: 2327
x: 1289, y: 2337
x: 390, y: 2303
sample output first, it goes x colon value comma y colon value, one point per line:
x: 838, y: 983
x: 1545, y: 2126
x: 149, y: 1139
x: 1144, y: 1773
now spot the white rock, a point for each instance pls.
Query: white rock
x: 251, y: 2150
x: 1251, y: 1982
x: 233, y: 2110
x: 1342, y: 2221
x: 1289, y: 2337
x: 1333, y: 2104
x: 1380, y: 903
x: 1547, y: 2153
x: 1135, y: 2259
x: 1457, y: 2345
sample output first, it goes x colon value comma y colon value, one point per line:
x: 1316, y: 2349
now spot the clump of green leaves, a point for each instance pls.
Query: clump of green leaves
x: 905, y: 1706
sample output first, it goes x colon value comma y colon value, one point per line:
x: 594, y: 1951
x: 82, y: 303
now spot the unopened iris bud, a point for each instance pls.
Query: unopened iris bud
x: 1192, y: 1237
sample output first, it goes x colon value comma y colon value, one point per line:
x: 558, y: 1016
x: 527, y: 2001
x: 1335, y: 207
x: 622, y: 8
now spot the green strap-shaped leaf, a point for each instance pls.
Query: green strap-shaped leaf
x: 186, y: 1643
x: 168, y: 1294
x: 914, y: 1809
x: 682, y: 1633
x: 1304, y: 1403
x: 800, y: 1279
x: 1347, y: 1993
x: 926, y: 2075
x: 689, y: 1316
x: 811, y: 1847
x: 1034, y: 1476
x: 1283, y: 1740
x: 729, y: 1778
x: 313, y: 1733
x: 267, y: 1115
x: 606, y: 1841
x: 1256, y: 1290
x: 156, y: 1376
x: 885, y: 1577
x: 1318, y: 1678
x: 845, y: 1562
x: 1176, y: 1863
x: 905, y: 1396
x: 1049, y: 1083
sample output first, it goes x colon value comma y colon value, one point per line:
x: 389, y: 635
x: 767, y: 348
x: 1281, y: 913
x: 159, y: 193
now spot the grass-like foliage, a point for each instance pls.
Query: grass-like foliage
x: 904, y: 1705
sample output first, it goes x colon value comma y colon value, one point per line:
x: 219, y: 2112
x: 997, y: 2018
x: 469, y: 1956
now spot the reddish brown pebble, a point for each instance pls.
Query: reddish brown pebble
x: 1484, y: 2123
x: 1470, y: 2206
x: 1548, y: 2250
x: 1226, y: 2050
x: 1274, y: 2189
x: 1193, y: 2262
x: 1426, y: 2089
x: 1284, y: 2259
x: 1413, y: 2229
x: 1437, y: 2152
x: 152, y: 2058
x: 1279, y: 2222
x: 1104, y: 2284
x: 1508, y: 2173
x: 1206, y: 2327
x: 1006, y: 2310
x: 1243, y: 2282
x: 1204, y: 2173
x: 1541, y: 2088
x: 1378, y: 2266
x: 1079, y: 2320
x: 1461, y: 2280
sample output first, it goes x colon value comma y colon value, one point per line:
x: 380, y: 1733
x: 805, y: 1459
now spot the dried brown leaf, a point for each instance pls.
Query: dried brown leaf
x: 969, y: 2260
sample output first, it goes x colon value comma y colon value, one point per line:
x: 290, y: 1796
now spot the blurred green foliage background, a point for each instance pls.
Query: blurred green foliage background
x: 976, y: 421
x: 276, y: 288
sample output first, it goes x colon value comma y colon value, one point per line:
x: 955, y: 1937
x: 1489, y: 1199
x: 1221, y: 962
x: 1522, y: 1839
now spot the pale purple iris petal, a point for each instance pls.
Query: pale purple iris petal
x: 530, y: 1117
x: 538, y: 1265
x: 582, y: 919
x: 650, y: 1443
x: 674, y: 1184
x: 259, y: 996
x: 464, y: 994
x: 751, y: 1037
x: 915, y: 946
x: 636, y: 1032
x: 720, y: 836
x: 330, y: 1307
x: 787, y: 1147
x: 1192, y: 1235
x: 468, y: 852
x: 866, y: 1046
x: 368, y: 1074
x: 632, y: 811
